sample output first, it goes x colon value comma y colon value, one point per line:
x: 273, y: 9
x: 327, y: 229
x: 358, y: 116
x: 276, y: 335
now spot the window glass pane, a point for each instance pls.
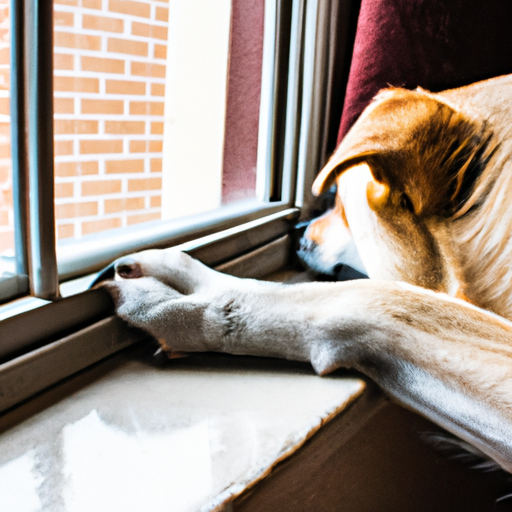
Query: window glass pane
x: 6, y: 205
x: 141, y: 102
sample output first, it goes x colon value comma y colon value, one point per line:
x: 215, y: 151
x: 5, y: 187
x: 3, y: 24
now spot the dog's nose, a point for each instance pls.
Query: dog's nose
x: 128, y: 268
x: 306, y: 244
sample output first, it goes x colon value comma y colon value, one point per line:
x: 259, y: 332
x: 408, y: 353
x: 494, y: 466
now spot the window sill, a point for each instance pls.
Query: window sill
x: 217, y: 424
x: 187, y: 435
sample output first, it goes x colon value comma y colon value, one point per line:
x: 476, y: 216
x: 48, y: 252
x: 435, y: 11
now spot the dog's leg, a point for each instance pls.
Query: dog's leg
x: 439, y: 356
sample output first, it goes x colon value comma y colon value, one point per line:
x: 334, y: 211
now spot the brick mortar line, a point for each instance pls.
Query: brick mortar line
x: 107, y: 97
x: 127, y: 58
x: 111, y: 137
x: 91, y: 176
x: 106, y: 216
x: 107, y: 117
x: 110, y: 176
x: 102, y: 34
x: 116, y: 195
x: 86, y: 158
x: 103, y: 9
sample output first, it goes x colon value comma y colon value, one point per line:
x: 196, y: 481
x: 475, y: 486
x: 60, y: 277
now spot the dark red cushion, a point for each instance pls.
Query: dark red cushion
x: 437, y: 44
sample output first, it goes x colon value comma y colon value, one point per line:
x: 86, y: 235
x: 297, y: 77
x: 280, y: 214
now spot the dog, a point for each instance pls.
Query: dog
x: 424, y: 207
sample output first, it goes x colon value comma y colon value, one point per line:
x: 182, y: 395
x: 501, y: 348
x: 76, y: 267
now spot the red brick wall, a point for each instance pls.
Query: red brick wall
x: 6, y: 217
x: 110, y: 64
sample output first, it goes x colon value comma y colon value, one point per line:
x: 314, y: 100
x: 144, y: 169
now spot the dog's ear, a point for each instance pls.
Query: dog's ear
x: 369, y: 140
x: 417, y: 145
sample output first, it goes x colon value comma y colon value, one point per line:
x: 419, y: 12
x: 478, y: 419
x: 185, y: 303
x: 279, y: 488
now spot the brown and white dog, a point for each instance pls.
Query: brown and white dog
x: 424, y: 194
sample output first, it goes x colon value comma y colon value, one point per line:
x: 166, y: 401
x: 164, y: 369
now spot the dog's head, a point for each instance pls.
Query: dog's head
x: 406, y: 169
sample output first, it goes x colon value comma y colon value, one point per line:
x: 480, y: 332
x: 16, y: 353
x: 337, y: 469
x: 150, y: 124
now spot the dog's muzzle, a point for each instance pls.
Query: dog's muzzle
x: 310, y: 254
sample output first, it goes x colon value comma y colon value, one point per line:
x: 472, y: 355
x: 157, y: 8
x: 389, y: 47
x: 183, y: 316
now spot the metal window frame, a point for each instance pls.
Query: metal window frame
x: 40, y: 264
x: 291, y: 172
x: 44, y: 276
x: 314, y: 88
x: 277, y: 46
x: 31, y: 109
x: 322, y: 35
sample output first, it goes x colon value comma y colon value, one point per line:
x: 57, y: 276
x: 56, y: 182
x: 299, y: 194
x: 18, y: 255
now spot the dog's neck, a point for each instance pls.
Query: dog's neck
x: 482, y: 241
x: 477, y: 247
x: 482, y: 238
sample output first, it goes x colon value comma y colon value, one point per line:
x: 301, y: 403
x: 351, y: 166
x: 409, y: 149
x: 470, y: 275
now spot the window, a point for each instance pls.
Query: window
x: 159, y: 123
x: 156, y: 115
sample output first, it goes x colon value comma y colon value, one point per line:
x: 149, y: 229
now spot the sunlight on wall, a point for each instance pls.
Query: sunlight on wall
x: 195, y: 105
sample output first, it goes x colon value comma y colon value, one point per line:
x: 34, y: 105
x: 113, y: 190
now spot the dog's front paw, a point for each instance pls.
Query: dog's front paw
x: 176, y: 320
x: 174, y: 297
x: 138, y: 300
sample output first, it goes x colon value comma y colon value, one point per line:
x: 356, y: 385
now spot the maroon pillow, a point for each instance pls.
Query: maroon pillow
x: 437, y: 44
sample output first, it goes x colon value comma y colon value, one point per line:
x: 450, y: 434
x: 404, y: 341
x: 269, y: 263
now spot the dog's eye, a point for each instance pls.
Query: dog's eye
x: 406, y: 203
